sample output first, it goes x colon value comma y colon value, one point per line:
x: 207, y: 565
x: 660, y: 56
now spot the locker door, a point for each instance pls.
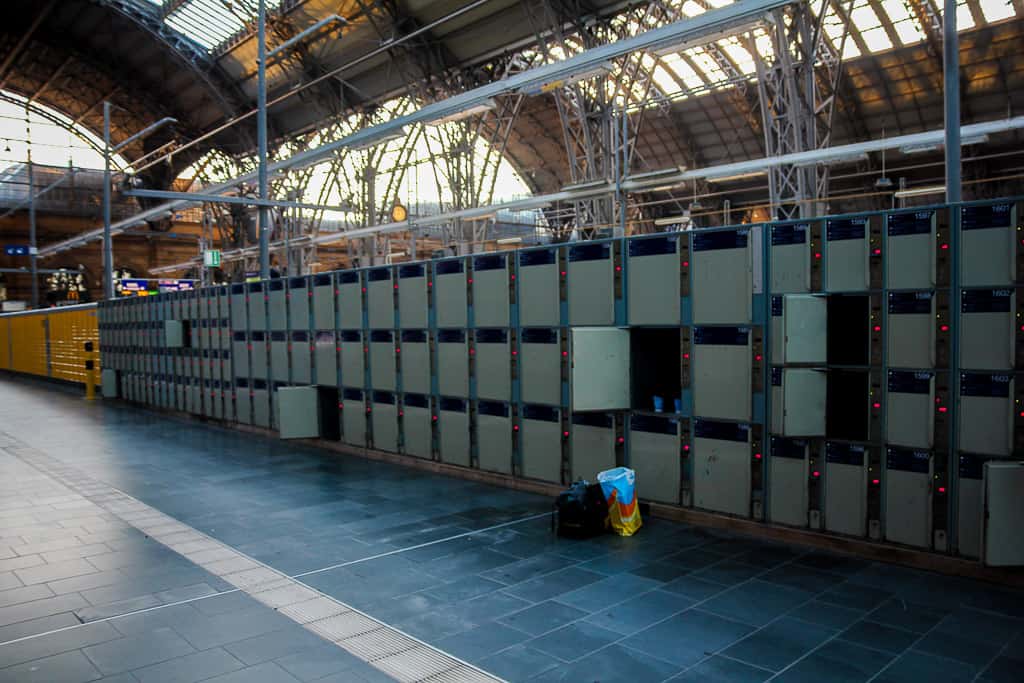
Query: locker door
x: 384, y: 419
x: 1005, y: 508
x: 350, y: 300
x: 453, y: 427
x: 988, y: 249
x: 415, y: 355
x: 540, y: 438
x: 539, y: 298
x: 986, y: 413
x: 302, y: 370
x: 326, y: 359
x: 787, y: 479
x: 450, y: 297
x: 722, y: 277
x: 910, y: 325
x: 239, y: 310
x: 243, y: 402
x: 987, y: 334
x: 910, y: 409
x: 722, y: 372
x: 798, y: 401
x: 491, y: 291
x: 298, y: 303
x: 417, y: 426
x: 323, y: 302
x: 790, y: 258
x: 599, y: 368
x: 256, y: 304
x: 799, y: 329
x: 493, y: 365
x: 453, y: 363
x: 353, y: 364
x: 592, y: 446
x: 260, y: 404
x: 494, y: 436
x: 847, y: 254
x: 908, y: 497
x: 654, y: 450
x: 353, y: 417
x: 591, y: 284
x: 721, y: 467
x: 540, y: 366
x: 279, y: 371
x: 413, y: 299
x: 910, y: 238
x: 380, y: 297
x: 277, y: 303
x: 653, y: 280
x: 382, y: 360
x: 298, y: 412
x: 970, y: 505
x: 846, y: 486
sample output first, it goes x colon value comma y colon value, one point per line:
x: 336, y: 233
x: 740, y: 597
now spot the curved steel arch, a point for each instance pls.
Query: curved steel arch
x: 50, y: 116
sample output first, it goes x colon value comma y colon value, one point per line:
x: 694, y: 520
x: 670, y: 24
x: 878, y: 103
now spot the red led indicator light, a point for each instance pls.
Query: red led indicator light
x: 686, y: 447
x: 944, y: 246
x: 618, y: 269
x: 430, y: 284
x: 515, y: 428
x: 622, y: 439
x: 367, y: 411
x: 816, y: 474
x: 876, y: 482
x: 401, y: 413
x: 942, y: 489
x: 876, y: 405
x: 878, y: 328
x: 944, y: 328
x: 686, y: 355
x: 942, y: 409
x: 472, y: 351
x: 564, y: 354
x: 513, y: 277
x: 686, y: 264
x: 565, y: 434
x: 877, y: 252
x: 1021, y: 413
x: 398, y: 350
x: 563, y: 273
x: 757, y: 456
x: 435, y: 418
x: 515, y: 353
x: 396, y: 286
x: 817, y: 254
x: 470, y: 280
x: 757, y: 357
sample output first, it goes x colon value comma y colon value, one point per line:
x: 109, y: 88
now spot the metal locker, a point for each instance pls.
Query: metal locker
x: 380, y: 297
x: 910, y: 329
x: 970, y: 505
x: 491, y: 291
x: 592, y: 446
x: 413, y: 298
x: 493, y: 365
x: 790, y: 258
x: 847, y: 254
x: 382, y: 360
x: 1004, y: 509
x: 223, y: 310
x: 204, y: 303
x: 256, y: 304
x: 350, y: 300
x: 722, y: 277
x: 450, y: 299
x: 599, y: 359
x: 208, y: 396
x: 353, y: 362
x: 298, y: 412
x: 453, y: 427
x: 787, y: 482
x: 302, y: 371
x: 910, y: 408
x: 540, y: 440
x: 415, y: 354
x: 180, y: 394
x: 908, y: 497
x: 721, y: 467
x: 384, y: 420
x: 591, y: 284
x: 417, y: 426
x: 258, y: 350
x: 323, y: 302
x: 653, y: 280
x: 326, y: 358
x: 353, y: 417
x: 243, y: 401
x: 910, y: 252
x: 277, y: 303
x: 193, y: 306
x: 217, y: 398
x: 452, y: 363
x: 260, y: 403
x: 988, y: 250
x: 196, y: 396
x: 722, y: 372
x: 798, y: 401
x: 799, y: 330
x: 986, y: 413
x: 540, y: 366
x: 279, y: 356
x: 846, y: 487
x: 539, y: 285
x: 987, y: 335
x: 299, y: 295
x: 239, y: 309
x: 654, y: 454
x: 494, y: 436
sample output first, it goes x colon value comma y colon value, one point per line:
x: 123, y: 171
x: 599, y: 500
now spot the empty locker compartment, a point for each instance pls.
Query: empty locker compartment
x: 910, y: 249
x: 261, y: 403
x: 653, y: 280
x: 798, y: 401
x: 382, y: 360
x: 721, y: 467
x: 494, y: 436
x: 1004, y: 509
x: 256, y: 304
x: 300, y: 353
x: 908, y: 497
x: 353, y: 362
x: 540, y: 443
x: 298, y: 412
x: 592, y: 445
x: 323, y: 302
x: 350, y: 300
x: 790, y: 258
x: 413, y: 297
x: 986, y: 413
x: 415, y: 354
x: 654, y: 454
x: 417, y: 426
x: 540, y: 366
x: 453, y: 363
x: 846, y: 487
x: 299, y: 295
x: 787, y: 482
x: 848, y: 404
x: 451, y: 302
x: 453, y: 428
x: 539, y: 285
x: 988, y: 249
x: 722, y: 372
x: 326, y: 358
x: 799, y: 329
x: 384, y: 421
x: 277, y: 303
x: 987, y: 335
x: 653, y: 368
x: 492, y: 291
x: 722, y: 284
x: 380, y: 297
x: 493, y: 365
x: 353, y: 417
x: 847, y: 254
x: 591, y: 284
x: 910, y: 329
x: 279, y: 357
x: 910, y: 408
x: 970, y: 505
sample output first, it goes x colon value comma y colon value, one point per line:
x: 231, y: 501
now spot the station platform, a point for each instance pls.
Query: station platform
x: 136, y: 547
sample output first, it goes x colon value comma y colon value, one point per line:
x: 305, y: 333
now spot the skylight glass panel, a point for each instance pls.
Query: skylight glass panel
x: 964, y: 19
x: 739, y: 55
x: 211, y: 22
x: 706, y: 63
x: 664, y: 80
x: 996, y: 10
x: 683, y: 71
x: 692, y: 9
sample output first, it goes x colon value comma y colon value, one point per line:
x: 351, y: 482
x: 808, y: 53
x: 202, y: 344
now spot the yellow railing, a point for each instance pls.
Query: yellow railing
x: 49, y: 342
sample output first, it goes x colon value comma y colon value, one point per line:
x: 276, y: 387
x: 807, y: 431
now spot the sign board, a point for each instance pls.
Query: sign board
x: 16, y: 250
x: 211, y: 258
x: 130, y: 287
x: 176, y: 285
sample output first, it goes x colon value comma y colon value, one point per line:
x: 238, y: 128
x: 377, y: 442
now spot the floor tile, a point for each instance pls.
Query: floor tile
x: 877, y: 636
x: 915, y: 667
x: 574, y: 641
x: 69, y: 667
x: 617, y: 663
x: 190, y: 668
x: 637, y: 613
x: 542, y: 618
x: 722, y: 670
x: 837, y: 662
x: 687, y: 638
x: 779, y: 644
x: 607, y: 592
x: 756, y: 602
x: 261, y: 673
x: 125, y: 654
x: 518, y: 663
x: 477, y: 643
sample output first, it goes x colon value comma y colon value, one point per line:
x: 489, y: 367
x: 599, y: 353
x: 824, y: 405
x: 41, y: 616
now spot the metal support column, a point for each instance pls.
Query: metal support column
x: 32, y: 247
x: 261, y: 135
x: 108, y: 248
x: 951, y: 91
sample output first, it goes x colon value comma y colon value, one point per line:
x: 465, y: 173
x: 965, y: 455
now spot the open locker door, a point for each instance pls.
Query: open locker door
x: 599, y: 371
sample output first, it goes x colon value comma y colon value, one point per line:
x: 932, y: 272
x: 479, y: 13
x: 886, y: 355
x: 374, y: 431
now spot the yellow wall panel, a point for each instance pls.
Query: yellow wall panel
x: 49, y: 343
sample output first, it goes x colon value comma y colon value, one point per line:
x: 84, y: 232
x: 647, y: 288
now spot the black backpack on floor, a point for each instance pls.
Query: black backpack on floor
x: 580, y: 511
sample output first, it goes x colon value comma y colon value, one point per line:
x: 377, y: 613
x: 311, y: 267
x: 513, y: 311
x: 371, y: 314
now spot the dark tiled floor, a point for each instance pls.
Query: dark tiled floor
x: 673, y: 603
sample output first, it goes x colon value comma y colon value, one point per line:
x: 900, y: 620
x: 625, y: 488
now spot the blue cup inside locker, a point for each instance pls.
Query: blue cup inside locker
x: 678, y: 403
x: 659, y: 404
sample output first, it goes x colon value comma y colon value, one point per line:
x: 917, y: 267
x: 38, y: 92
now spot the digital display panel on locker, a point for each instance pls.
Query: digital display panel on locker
x: 846, y: 486
x: 654, y: 450
x: 384, y: 419
x: 301, y: 354
x: 592, y: 446
x: 722, y: 372
x: 415, y: 355
x: 256, y: 304
x: 380, y: 297
x: 413, y: 299
x: 277, y: 303
x: 986, y: 413
x: 299, y: 295
x: 350, y: 300
x: 591, y: 284
x: 540, y: 439
x: 493, y: 365
x: 847, y: 254
x: 910, y: 325
x: 908, y: 497
x: 653, y: 280
x: 453, y: 431
x: 323, y: 302
x: 721, y: 467
x: 494, y: 436
x: 353, y: 417
x: 722, y: 277
x: 279, y: 356
x: 453, y: 363
x: 491, y: 291
x: 353, y: 362
x: 539, y: 299
x: 451, y: 301
x: 798, y: 401
x: 382, y: 360
x: 910, y: 408
x: 988, y: 249
x: 987, y: 335
x: 788, y: 473
x: 417, y: 426
x: 970, y: 504
x: 540, y: 366
x: 326, y: 358
x: 790, y: 258
x: 239, y: 308
x: 799, y: 329
x: 910, y: 249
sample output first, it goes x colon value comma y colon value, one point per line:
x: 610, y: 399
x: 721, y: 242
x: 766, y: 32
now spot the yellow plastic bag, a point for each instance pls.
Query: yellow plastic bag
x: 619, y: 487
